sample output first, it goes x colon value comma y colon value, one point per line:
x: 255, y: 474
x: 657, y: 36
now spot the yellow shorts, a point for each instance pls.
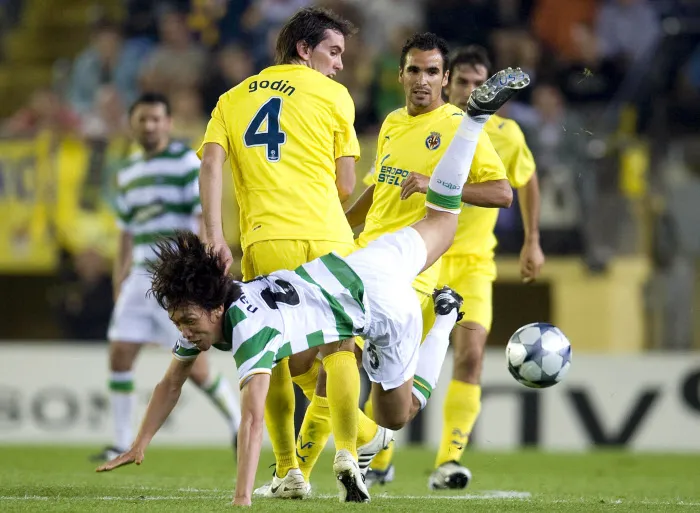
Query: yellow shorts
x: 268, y: 256
x: 472, y: 278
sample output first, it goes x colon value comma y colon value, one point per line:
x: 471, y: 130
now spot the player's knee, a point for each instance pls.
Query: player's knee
x: 394, y: 422
x: 121, y: 356
x: 394, y: 419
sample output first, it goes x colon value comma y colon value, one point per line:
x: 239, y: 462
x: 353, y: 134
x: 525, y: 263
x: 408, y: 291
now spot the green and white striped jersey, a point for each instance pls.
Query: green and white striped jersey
x: 287, y: 312
x: 157, y: 196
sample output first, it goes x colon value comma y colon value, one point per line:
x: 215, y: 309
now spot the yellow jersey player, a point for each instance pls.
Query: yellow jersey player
x: 289, y: 137
x: 412, y: 140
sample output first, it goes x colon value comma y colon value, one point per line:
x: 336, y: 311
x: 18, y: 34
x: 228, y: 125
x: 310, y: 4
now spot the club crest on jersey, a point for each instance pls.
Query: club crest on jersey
x: 432, y: 142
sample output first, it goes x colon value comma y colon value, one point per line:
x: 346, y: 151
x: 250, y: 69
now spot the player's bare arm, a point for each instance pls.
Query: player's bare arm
x: 210, y: 190
x: 357, y: 213
x: 345, y: 177
x: 164, y: 398
x: 490, y: 194
x: 202, y: 230
x: 250, y: 434
x: 531, y: 255
x: 122, y: 263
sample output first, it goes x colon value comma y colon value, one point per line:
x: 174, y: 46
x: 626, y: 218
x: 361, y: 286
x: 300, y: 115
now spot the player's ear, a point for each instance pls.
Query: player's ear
x: 446, y: 79
x: 304, y: 50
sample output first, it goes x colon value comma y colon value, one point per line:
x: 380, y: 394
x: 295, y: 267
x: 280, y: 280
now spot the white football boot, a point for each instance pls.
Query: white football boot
x: 449, y: 476
x: 291, y: 486
x: 351, y: 482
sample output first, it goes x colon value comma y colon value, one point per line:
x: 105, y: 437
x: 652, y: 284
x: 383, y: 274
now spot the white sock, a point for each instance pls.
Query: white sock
x: 431, y: 356
x: 121, y: 385
x: 452, y: 172
x: 220, y: 393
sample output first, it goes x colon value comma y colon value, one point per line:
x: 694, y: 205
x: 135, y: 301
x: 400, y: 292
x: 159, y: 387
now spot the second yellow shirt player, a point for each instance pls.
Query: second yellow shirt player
x: 415, y: 144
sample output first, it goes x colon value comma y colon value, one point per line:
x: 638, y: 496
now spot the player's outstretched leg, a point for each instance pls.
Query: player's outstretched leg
x: 444, y: 196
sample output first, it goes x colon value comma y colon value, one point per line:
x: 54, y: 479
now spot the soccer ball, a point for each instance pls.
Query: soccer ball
x: 538, y: 355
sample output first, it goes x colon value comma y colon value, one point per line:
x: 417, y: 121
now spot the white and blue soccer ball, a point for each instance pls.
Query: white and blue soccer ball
x: 538, y: 355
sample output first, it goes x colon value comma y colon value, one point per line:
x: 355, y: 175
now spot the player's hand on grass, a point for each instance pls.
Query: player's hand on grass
x: 133, y: 455
x: 414, y: 182
x: 222, y: 250
x: 531, y: 261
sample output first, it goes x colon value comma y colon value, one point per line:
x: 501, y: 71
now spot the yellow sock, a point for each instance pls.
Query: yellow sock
x: 316, y: 429
x: 366, y: 428
x: 307, y: 381
x: 279, y: 418
x: 384, y: 457
x: 343, y: 391
x: 313, y: 434
x: 460, y: 411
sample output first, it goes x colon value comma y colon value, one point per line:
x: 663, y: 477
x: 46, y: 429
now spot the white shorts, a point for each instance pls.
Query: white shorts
x: 139, y: 319
x: 387, y: 268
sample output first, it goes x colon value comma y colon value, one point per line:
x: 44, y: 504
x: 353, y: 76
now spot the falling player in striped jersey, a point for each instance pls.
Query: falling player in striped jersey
x: 158, y: 194
x: 368, y: 293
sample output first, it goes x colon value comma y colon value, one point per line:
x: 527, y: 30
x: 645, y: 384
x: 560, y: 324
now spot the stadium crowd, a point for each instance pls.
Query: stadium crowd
x: 613, y: 81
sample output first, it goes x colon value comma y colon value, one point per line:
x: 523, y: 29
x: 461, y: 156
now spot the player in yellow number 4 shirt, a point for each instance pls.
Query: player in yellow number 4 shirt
x: 412, y: 141
x: 289, y: 137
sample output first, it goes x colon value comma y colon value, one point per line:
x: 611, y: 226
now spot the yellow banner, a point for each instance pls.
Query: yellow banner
x: 26, y: 199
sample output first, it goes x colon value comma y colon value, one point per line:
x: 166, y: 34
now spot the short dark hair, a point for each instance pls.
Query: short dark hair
x: 151, y: 99
x: 426, y: 41
x: 472, y: 55
x: 308, y: 25
x: 188, y: 272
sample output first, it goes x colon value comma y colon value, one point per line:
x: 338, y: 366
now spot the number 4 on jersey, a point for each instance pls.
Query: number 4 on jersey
x: 273, y: 137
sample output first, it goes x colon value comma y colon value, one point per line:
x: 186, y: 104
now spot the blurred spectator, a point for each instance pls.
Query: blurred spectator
x: 387, y: 93
x: 233, y: 65
x: 462, y: 21
x: 189, y: 123
x: 142, y: 16
x: 262, y: 20
x: 178, y: 61
x: 230, y: 24
x: 557, y: 138
x: 83, y: 301
x: 692, y: 71
x: 106, y: 61
x: 106, y: 133
x: 107, y: 119
x: 627, y: 30
x: 556, y: 24
x: 45, y: 110
x: 383, y: 18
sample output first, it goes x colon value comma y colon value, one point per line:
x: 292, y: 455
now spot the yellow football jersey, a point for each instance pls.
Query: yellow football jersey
x: 282, y: 130
x: 416, y: 143
x: 475, y: 230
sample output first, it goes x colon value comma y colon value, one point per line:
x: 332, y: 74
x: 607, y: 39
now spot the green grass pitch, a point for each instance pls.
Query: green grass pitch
x: 62, y: 479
